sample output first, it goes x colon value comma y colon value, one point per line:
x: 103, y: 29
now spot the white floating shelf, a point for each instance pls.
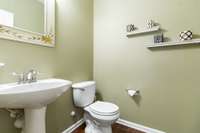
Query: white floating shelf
x: 138, y: 32
x: 175, y: 43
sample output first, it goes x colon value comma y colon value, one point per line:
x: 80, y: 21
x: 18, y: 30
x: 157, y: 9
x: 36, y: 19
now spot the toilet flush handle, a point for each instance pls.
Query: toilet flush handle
x: 82, y: 89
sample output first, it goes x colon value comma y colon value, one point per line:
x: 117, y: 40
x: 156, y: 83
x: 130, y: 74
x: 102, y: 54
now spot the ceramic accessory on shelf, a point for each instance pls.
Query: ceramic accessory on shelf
x: 185, y: 35
x: 130, y: 28
x: 158, y: 38
x: 150, y: 24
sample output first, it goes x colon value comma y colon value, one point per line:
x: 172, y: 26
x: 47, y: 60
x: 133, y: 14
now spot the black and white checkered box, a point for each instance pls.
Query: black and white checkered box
x: 185, y: 35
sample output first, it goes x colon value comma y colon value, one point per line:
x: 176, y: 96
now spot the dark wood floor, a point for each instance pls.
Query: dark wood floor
x: 117, y: 128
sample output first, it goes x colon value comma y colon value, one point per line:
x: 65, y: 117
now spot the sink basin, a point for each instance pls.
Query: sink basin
x: 33, y: 98
x: 32, y: 95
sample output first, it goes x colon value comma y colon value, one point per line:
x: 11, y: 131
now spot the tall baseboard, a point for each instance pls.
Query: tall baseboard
x: 74, y: 126
x: 119, y: 121
x: 138, y: 126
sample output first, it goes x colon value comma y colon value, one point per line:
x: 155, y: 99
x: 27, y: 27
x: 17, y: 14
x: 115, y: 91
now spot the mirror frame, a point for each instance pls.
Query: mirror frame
x: 22, y: 35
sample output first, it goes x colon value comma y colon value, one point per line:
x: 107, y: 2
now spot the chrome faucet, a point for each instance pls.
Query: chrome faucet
x: 26, y: 77
x: 31, y: 76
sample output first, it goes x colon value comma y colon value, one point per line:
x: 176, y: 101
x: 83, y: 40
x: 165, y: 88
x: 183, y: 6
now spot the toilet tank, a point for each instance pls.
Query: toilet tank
x: 84, y: 93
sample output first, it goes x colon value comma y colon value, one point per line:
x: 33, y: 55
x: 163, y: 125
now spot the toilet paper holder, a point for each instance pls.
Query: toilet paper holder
x: 132, y: 92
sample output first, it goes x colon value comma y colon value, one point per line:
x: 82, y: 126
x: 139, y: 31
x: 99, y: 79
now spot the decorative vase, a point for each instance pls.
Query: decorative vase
x: 150, y: 24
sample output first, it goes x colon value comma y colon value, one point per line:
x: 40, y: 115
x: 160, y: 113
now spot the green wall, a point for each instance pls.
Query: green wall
x: 71, y: 59
x: 168, y: 78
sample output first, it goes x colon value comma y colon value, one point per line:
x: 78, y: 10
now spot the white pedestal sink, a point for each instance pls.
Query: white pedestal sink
x: 33, y: 98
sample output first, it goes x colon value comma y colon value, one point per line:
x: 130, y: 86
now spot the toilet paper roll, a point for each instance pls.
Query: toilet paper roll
x: 133, y: 92
x: 19, y: 123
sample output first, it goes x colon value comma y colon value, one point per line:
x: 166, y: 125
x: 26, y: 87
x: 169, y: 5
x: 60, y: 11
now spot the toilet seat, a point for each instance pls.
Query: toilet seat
x: 103, y: 111
x: 104, y: 108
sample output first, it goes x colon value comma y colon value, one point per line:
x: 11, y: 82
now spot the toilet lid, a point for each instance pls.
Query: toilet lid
x: 104, y: 108
x: 83, y: 84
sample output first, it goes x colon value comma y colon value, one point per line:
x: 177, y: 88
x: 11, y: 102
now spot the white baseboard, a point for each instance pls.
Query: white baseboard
x: 138, y: 126
x: 119, y: 121
x: 74, y: 126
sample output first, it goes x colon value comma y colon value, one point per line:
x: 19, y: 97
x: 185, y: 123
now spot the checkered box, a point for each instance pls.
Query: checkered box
x: 185, y: 35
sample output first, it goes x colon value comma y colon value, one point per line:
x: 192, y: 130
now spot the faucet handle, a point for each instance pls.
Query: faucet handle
x: 16, y: 74
x: 20, y: 77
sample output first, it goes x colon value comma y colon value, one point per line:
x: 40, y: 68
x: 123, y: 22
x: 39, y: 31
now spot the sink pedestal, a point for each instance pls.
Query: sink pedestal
x: 35, y: 120
x: 33, y: 98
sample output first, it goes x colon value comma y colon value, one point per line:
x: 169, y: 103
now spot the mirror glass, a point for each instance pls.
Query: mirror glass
x: 23, y: 14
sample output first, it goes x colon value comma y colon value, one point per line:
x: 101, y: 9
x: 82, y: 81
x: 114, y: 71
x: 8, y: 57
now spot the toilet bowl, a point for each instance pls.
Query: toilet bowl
x: 99, y: 116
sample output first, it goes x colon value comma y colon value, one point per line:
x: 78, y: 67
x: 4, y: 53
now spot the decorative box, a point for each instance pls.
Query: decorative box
x: 185, y: 35
x: 158, y: 38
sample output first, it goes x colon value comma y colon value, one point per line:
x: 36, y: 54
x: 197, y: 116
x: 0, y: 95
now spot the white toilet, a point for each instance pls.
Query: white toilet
x: 99, y: 116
